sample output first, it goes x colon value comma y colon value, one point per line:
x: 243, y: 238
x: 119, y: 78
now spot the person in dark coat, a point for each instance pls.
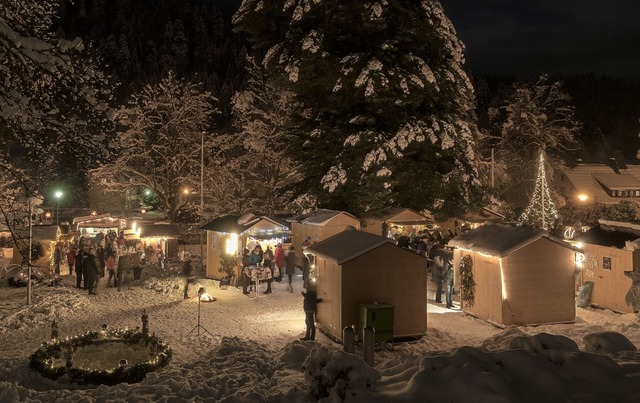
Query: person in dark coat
x: 100, y: 254
x: 437, y: 264
x: 79, y: 271
x: 290, y: 264
x: 448, y: 283
x: 71, y: 258
x: 187, y: 272
x: 57, y: 257
x: 267, y: 262
x: 246, y: 279
x: 91, y: 268
x: 310, y: 306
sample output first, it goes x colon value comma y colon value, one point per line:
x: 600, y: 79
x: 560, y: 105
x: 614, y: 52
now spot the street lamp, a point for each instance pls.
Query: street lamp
x: 32, y: 201
x: 58, y: 195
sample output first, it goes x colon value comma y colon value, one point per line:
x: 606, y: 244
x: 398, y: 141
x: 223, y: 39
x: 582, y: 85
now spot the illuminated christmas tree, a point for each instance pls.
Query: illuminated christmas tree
x: 541, y: 211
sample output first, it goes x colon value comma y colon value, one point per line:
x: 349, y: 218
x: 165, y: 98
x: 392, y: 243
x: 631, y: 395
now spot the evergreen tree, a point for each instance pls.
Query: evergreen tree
x: 386, y: 113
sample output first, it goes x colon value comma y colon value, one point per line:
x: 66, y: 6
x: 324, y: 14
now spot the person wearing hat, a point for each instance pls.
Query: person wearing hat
x: 92, y: 270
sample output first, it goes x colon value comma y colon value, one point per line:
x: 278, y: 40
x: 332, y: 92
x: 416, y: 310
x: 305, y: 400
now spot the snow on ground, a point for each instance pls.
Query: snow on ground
x: 248, y: 350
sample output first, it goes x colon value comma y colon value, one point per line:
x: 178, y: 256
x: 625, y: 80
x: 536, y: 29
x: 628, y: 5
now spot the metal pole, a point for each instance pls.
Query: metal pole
x: 30, y: 247
x: 57, y: 209
x: 202, y: 257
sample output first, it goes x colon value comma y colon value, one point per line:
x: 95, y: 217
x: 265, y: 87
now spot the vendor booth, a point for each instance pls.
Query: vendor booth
x: 92, y: 225
x: 319, y: 225
x: 158, y: 236
x: 610, y: 249
x: 229, y: 234
x: 361, y: 275
x: 512, y: 274
x: 396, y: 221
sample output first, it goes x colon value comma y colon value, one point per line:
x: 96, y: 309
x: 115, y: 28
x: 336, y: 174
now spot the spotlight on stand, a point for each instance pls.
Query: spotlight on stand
x: 204, y: 297
x: 201, y: 294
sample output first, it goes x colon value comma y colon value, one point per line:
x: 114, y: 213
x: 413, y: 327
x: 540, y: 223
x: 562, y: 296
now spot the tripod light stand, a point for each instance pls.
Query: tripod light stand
x: 198, y: 326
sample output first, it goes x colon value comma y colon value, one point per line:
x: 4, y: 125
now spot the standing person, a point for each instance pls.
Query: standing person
x: 448, y: 282
x: 100, y: 254
x: 246, y: 262
x: 57, y: 257
x: 256, y: 255
x: 437, y: 269
x: 91, y: 271
x: 79, y: 258
x: 278, y: 258
x: 71, y: 259
x: 187, y: 271
x: 290, y: 264
x: 111, y: 268
x: 85, y: 256
x: 267, y: 262
x: 310, y: 306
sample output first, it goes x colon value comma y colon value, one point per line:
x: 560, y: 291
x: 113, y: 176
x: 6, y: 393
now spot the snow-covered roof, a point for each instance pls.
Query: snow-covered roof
x: 593, y: 179
x: 320, y: 217
x: 159, y: 230
x: 501, y: 239
x: 347, y: 245
x: 401, y: 215
x: 615, y: 234
x: 238, y: 224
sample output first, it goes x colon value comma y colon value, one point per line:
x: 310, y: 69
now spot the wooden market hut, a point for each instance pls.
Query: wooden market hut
x: 161, y: 234
x: 522, y: 275
x: 610, y: 249
x: 396, y: 221
x: 229, y: 234
x: 90, y: 226
x: 318, y: 225
x: 356, y: 268
x: 44, y: 235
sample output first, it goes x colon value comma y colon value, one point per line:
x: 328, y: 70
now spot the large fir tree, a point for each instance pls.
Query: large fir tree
x: 387, y: 109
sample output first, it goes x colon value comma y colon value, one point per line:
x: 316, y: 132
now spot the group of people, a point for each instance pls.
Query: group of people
x: 267, y: 265
x: 92, y: 260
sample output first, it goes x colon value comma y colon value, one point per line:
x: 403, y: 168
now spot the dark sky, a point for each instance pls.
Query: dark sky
x: 526, y: 37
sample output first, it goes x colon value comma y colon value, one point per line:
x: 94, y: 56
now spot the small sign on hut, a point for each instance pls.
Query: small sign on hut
x: 512, y: 274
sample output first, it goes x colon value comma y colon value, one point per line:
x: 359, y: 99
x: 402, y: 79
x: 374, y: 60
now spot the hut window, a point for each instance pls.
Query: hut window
x: 606, y: 263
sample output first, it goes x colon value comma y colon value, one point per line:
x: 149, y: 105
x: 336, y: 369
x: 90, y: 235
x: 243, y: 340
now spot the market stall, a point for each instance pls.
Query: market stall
x: 396, y: 221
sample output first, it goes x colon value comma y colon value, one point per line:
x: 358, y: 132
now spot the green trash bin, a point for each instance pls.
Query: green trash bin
x: 378, y: 316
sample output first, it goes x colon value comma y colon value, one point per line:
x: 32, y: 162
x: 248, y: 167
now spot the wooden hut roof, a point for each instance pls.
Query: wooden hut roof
x: 501, y: 239
x: 159, y: 230
x: 347, y: 245
x: 611, y: 234
x: 411, y: 217
x: 239, y: 224
x: 320, y: 217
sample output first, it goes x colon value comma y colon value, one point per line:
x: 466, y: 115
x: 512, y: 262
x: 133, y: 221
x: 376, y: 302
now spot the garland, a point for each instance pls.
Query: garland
x: 467, y: 283
x: 42, y: 360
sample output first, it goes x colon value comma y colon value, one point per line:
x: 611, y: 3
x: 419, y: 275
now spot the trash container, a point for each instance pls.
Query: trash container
x: 378, y: 316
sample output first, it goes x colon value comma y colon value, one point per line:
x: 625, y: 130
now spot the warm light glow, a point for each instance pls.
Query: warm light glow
x: 147, y: 192
x: 143, y: 211
x: 579, y: 245
x: 231, y: 244
x: 94, y: 213
x: 58, y: 194
x: 504, y: 289
x: 582, y: 197
x: 134, y: 225
x: 185, y: 191
x: 580, y: 258
x: 47, y: 215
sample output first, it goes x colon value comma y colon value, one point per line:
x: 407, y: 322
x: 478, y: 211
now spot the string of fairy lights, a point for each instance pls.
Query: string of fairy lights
x: 541, y: 211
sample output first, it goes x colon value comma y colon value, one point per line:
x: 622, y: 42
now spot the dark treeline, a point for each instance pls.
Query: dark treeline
x: 138, y: 41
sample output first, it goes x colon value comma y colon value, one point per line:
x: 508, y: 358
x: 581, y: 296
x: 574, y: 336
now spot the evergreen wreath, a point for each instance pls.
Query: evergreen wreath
x: 467, y: 283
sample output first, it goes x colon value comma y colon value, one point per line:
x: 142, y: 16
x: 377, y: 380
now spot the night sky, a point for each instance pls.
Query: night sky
x: 524, y: 38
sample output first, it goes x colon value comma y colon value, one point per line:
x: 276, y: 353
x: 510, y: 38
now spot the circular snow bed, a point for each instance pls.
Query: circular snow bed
x: 105, y: 357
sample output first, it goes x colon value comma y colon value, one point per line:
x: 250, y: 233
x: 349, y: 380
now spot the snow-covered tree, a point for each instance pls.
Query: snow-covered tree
x: 387, y: 110
x: 159, y: 147
x: 52, y: 98
x: 257, y: 169
x: 534, y: 116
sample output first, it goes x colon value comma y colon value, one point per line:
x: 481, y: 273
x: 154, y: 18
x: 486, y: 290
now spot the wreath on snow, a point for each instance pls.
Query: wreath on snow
x: 467, y: 283
x: 42, y: 361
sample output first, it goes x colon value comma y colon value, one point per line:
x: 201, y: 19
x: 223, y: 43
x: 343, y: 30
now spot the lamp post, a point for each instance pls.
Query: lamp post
x: 58, y: 195
x: 202, y: 257
x: 31, y: 201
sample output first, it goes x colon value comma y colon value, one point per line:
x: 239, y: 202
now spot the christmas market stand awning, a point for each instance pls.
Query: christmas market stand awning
x: 159, y: 231
x: 347, y: 245
x: 501, y: 239
x: 248, y: 225
x: 99, y: 221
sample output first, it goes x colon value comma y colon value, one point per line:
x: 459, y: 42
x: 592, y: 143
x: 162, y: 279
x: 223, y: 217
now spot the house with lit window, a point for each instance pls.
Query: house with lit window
x: 588, y: 184
x: 611, y: 248
x: 515, y: 275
